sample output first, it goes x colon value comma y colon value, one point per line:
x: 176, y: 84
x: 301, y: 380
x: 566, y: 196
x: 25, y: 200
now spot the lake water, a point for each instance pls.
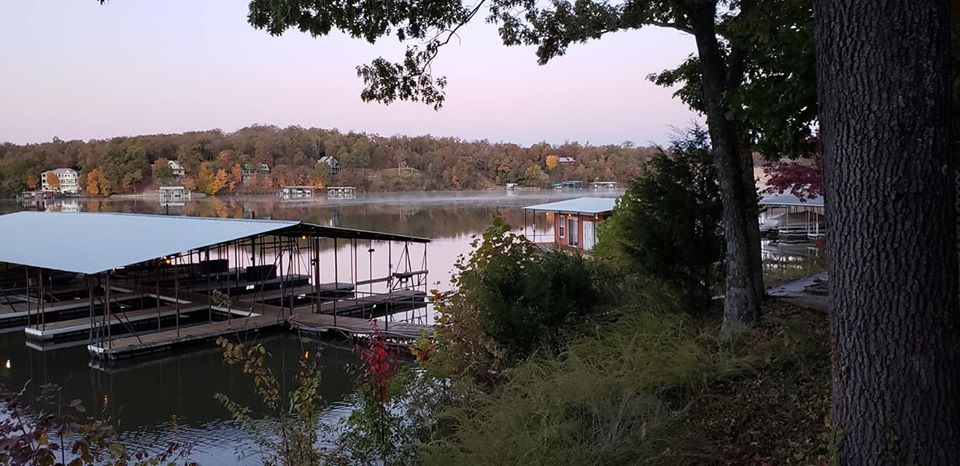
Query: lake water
x: 145, y: 395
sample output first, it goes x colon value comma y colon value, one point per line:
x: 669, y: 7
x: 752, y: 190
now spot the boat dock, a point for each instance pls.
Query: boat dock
x: 132, y: 285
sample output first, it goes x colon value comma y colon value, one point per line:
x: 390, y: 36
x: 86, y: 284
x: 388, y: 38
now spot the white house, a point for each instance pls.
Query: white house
x: 565, y: 160
x: 331, y: 162
x: 176, y: 169
x: 248, y: 171
x: 67, y: 181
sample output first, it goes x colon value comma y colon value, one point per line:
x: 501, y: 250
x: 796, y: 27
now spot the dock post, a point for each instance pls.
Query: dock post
x: 40, y: 302
x: 90, y: 305
x: 316, y: 276
x: 176, y: 291
x: 108, y: 319
x: 156, y: 276
x: 209, y: 291
x: 26, y: 270
x: 336, y: 280
x: 281, y: 274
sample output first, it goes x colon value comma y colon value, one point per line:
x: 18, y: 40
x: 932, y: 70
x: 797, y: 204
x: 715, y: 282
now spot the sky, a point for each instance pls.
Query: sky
x: 74, y: 69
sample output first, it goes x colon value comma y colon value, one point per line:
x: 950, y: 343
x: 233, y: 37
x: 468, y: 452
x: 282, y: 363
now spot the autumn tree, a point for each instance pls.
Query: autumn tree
x: 31, y: 181
x: 96, y: 184
x: 52, y: 180
x: 803, y: 179
x: 738, y: 64
x: 211, y: 180
x: 552, y: 161
x: 884, y: 80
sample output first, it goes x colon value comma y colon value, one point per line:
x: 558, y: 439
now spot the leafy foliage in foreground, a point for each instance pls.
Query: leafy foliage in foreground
x: 656, y: 387
x: 290, y: 435
x: 511, y: 299
x: 63, y: 434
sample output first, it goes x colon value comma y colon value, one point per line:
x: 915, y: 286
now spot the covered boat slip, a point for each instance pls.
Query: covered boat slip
x: 789, y: 219
x: 132, y: 284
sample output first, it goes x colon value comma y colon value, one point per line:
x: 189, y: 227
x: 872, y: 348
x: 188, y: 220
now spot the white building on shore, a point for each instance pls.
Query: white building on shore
x: 68, y: 181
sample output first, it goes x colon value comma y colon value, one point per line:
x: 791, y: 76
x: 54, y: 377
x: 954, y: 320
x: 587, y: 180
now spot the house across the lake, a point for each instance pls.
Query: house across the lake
x: 575, y: 221
x: 60, y: 180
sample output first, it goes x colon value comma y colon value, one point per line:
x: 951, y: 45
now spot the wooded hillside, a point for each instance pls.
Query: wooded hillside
x: 215, y: 161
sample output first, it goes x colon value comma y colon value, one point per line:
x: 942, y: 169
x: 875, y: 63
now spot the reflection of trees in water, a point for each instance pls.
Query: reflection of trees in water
x: 418, y: 219
x: 430, y: 220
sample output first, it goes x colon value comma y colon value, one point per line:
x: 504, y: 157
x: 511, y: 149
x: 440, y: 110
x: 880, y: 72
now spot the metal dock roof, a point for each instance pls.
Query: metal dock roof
x: 582, y: 205
x: 787, y: 199
x: 90, y: 243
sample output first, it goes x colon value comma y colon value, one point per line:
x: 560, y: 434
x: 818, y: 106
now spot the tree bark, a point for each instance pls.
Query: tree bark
x: 740, y: 304
x: 883, y: 80
x: 753, y: 221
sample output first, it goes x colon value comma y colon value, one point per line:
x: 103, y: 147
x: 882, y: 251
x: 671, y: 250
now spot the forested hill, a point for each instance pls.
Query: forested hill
x: 214, y: 162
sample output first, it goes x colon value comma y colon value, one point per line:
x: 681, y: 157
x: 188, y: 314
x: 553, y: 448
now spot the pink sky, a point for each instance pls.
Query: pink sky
x: 77, y: 70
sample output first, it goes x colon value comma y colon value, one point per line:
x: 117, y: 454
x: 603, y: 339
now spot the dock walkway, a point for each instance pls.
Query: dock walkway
x: 353, y: 326
x: 81, y: 327
x: 78, y: 306
x: 162, y: 341
x: 252, y: 316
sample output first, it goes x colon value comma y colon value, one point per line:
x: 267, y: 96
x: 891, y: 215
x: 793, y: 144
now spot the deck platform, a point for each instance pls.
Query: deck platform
x: 371, y: 305
x: 163, y: 341
x: 352, y: 326
x: 62, y: 310
x: 80, y: 328
x: 252, y: 316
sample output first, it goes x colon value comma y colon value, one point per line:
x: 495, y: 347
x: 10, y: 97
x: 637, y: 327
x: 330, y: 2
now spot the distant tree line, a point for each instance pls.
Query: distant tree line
x: 219, y: 162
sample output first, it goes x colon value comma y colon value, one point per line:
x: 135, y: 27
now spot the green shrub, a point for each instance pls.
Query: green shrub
x: 655, y: 387
x: 667, y: 224
x: 511, y: 299
x: 597, y: 405
x: 527, y: 305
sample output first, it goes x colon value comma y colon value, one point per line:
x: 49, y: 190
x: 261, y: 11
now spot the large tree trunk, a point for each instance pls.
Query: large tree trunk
x: 753, y: 221
x: 883, y: 80
x: 740, y: 304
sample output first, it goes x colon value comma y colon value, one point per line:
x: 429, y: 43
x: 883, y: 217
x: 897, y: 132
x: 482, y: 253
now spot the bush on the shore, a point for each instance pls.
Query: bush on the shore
x: 511, y: 299
x: 667, y: 224
x: 655, y: 387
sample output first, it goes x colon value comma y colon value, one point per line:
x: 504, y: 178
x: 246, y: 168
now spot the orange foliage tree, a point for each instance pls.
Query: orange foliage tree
x: 31, y: 181
x: 552, y: 161
x: 96, y: 183
x: 210, y: 181
x: 53, y: 181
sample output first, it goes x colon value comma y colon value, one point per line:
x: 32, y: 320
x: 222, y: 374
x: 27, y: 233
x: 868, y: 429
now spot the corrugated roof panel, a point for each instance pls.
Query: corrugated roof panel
x: 94, y: 242
x: 585, y: 205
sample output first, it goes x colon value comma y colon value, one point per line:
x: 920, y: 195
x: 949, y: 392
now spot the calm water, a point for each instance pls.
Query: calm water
x: 145, y: 395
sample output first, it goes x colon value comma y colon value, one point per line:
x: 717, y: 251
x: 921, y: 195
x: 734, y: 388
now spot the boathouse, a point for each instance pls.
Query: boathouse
x: 296, y: 192
x: 574, y: 221
x: 130, y: 284
x: 789, y: 219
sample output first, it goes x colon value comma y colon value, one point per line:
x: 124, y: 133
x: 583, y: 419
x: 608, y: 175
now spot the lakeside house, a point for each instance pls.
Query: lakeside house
x: 177, y: 169
x: 248, y: 171
x: 332, y: 163
x: 67, y: 181
x: 575, y: 221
